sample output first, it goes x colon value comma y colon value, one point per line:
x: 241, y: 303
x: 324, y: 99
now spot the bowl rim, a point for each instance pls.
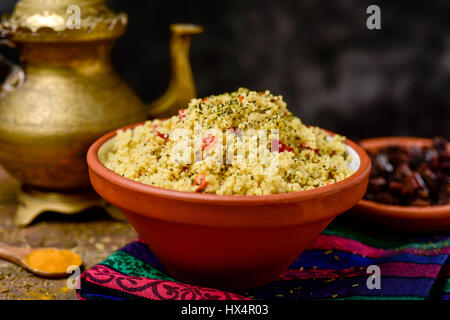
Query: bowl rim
x: 427, y: 213
x: 96, y: 166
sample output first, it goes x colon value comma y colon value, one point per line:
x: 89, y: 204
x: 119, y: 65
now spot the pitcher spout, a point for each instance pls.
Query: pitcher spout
x: 181, y: 87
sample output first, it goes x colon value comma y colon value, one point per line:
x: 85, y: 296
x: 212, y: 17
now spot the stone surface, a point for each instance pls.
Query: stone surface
x: 92, y: 234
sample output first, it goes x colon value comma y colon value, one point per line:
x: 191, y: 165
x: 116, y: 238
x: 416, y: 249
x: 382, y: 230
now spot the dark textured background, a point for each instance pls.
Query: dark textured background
x: 331, y: 69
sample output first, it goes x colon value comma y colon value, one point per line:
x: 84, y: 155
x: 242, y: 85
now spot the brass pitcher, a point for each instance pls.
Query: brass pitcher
x: 68, y: 94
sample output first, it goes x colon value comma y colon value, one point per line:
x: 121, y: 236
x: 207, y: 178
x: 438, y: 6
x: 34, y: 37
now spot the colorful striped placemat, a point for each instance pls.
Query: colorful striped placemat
x: 335, y: 266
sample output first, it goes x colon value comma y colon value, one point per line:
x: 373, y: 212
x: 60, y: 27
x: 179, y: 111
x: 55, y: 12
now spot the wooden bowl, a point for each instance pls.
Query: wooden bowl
x: 405, y: 218
x: 229, y: 242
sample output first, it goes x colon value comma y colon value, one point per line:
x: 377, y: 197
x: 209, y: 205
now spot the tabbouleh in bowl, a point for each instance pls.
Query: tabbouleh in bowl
x: 304, y: 157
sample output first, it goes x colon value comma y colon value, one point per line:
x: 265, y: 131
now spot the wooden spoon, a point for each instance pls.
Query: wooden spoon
x: 19, y: 255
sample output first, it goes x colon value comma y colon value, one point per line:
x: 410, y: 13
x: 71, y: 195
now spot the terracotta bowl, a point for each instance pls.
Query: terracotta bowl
x: 406, y: 218
x: 229, y: 242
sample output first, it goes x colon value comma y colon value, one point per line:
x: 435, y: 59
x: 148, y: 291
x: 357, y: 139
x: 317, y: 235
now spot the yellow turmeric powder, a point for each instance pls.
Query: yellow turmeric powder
x: 52, y: 260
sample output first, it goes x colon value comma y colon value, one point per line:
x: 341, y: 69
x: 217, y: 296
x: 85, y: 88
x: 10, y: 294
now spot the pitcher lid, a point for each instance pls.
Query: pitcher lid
x: 63, y: 20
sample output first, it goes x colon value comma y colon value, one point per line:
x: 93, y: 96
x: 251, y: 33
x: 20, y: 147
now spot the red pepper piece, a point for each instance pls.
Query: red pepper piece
x: 181, y: 114
x: 241, y: 98
x: 165, y: 136
x: 200, y: 181
x: 208, y: 140
x: 283, y: 147
x: 306, y: 146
